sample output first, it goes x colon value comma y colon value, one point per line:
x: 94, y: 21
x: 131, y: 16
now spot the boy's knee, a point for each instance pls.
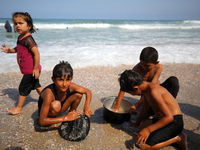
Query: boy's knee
x: 55, y: 108
x: 173, y: 80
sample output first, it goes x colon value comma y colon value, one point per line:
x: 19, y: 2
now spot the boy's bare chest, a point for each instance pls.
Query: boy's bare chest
x: 148, y: 76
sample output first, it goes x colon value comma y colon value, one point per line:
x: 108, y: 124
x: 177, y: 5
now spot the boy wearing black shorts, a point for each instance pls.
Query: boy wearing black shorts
x: 166, y: 128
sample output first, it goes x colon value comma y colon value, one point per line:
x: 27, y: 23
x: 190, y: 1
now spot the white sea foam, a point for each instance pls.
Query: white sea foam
x: 122, y: 26
x: 65, y: 26
x: 192, y: 21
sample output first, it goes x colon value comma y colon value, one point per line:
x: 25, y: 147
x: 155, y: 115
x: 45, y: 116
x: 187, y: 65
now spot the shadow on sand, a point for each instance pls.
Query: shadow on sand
x: 38, y: 127
x: 14, y: 95
x: 190, y: 110
x: 99, y: 113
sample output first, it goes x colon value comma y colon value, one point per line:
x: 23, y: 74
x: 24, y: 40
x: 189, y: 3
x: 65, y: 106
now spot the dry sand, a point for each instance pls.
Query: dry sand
x: 22, y: 131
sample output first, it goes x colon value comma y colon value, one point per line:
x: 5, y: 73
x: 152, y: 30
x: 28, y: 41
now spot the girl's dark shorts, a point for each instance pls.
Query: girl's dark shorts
x: 168, y: 132
x: 27, y: 84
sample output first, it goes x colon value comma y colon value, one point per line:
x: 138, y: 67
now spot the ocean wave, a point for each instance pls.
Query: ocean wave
x: 2, y: 24
x: 121, y: 26
x: 157, y: 27
x: 65, y: 26
x: 128, y: 25
x: 192, y: 21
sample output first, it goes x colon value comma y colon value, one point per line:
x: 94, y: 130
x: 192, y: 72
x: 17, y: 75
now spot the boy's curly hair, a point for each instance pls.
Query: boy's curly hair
x: 128, y: 79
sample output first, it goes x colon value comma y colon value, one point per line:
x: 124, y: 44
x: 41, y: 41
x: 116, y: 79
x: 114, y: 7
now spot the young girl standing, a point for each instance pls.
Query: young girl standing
x: 28, y: 58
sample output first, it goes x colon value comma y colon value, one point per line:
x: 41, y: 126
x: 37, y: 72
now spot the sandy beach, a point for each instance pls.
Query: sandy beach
x: 18, y: 132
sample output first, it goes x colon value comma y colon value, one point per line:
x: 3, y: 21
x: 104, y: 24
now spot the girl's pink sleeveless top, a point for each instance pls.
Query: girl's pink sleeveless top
x: 25, y: 57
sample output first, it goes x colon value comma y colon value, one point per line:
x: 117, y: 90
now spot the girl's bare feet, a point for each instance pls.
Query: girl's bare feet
x: 15, y: 111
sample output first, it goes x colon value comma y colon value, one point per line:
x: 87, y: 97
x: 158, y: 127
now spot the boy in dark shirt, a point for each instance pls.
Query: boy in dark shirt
x: 61, y: 95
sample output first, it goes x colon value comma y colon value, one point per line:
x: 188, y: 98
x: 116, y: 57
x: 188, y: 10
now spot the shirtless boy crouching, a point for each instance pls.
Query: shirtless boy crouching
x: 166, y: 128
x: 62, y: 94
x: 150, y: 69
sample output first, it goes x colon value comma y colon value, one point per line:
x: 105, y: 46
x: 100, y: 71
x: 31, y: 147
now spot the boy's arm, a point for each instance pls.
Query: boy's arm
x: 87, y: 92
x: 36, y: 54
x: 144, y: 111
x: 136, y: 106
x: 157, y: 74
x: 5, y: 49
x: 119, y: 99
x: 44, y: 120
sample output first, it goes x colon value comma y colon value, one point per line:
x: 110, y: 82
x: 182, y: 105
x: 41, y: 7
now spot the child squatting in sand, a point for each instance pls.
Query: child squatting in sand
x: 28, y: 58
x: 62, y: 94
x: 150, y: 69
x: 164, y: 129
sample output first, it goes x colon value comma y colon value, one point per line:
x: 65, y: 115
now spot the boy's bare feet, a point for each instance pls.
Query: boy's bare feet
x: 15, y: 111
x: 182, y: 143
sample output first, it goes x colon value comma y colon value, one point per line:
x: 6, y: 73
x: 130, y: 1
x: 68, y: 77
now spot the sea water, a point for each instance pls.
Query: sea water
x: 86, y: 43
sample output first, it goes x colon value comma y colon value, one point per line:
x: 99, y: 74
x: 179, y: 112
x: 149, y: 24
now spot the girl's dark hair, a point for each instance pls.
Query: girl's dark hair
x: 149, y: 55
x: 27, y: 18
x: 63, y: 68
x: 128, y: 79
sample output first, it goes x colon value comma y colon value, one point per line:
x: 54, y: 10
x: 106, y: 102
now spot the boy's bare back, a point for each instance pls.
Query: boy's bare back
x: 161, y: 101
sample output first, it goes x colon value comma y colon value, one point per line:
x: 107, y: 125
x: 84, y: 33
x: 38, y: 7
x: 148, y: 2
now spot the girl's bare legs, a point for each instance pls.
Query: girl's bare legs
x: 39, y: 90
x: 18, y: 109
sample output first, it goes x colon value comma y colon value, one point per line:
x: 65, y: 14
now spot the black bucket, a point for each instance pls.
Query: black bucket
x: 116, y: 117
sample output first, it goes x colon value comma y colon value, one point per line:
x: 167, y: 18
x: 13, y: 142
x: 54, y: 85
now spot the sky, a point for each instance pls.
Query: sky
x: 104, y: 9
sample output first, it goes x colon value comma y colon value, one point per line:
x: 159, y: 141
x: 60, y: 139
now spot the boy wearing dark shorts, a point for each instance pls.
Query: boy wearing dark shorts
x: 166, y: 128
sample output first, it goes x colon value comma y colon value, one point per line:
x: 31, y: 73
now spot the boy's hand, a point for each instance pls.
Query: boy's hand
x: 75, y: 114
x: 143, y: 136
x: 5, y: 49
x: 133, y: 110
x: 116, y: 110
x: 88, y: 111
x: 36, y: 73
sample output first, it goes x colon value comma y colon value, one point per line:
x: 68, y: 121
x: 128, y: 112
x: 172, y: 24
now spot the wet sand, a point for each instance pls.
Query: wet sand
x: 22, y: 131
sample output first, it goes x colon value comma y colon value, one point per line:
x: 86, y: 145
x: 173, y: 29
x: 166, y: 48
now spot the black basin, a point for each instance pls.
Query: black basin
x: 116, y: 117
